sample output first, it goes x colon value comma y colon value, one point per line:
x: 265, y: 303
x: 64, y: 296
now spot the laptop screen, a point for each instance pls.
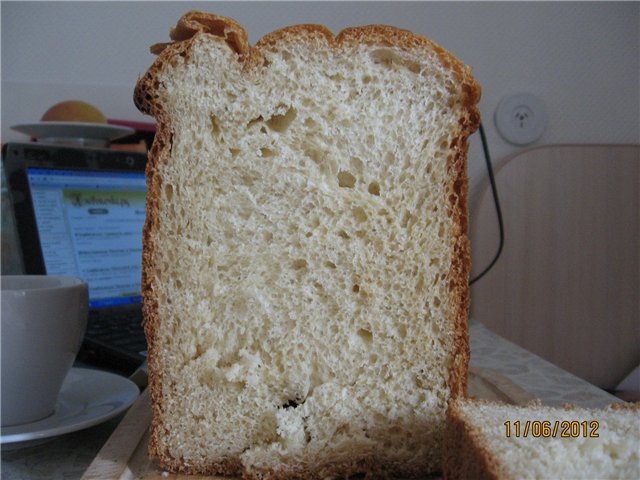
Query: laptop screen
x: 90, y: 226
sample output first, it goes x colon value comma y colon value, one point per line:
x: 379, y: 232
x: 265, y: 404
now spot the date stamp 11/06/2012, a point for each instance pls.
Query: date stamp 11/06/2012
x: 551, y: 429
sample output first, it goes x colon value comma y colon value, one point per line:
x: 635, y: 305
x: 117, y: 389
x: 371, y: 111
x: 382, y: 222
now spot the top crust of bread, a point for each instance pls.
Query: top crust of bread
x: 194, y: 25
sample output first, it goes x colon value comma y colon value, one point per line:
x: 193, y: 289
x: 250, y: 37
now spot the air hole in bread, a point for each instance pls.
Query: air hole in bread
x: 291, y: 404
x: 357, y: 165
x: 281, y: 122
x: 374, y: 189
x: 266, y: 152
x: 365, y: 335
x: 392, y: 59
x: 255, y: 121
x: 355, y: 288
x: 285, y: 54
x: 359, y: 214
x: 314, y: 155
x: 346, y: 179
x: 168, y: 192
x: 234, y: 152
x: 371, y: 140
x: 406, y: 218
x: 429, y: 168
x: 344, y: 235
x: 215, y: 125
x: 299, y: 264
x: 402, y: 331
x: 330, y: 265
x: 247, y: 180
x: 390, y: 158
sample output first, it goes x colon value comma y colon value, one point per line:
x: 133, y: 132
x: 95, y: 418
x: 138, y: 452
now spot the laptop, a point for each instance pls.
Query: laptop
x: 80, y: 212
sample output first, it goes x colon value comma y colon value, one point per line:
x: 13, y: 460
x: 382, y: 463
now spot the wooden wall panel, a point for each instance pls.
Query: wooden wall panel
x: 567, y: 285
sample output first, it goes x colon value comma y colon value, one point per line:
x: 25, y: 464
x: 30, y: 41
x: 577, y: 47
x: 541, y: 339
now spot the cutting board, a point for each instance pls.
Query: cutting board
x: 125, y: 457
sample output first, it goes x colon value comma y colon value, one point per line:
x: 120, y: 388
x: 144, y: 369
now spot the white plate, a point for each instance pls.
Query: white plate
x: 57, y: 131
x: 88, y: 397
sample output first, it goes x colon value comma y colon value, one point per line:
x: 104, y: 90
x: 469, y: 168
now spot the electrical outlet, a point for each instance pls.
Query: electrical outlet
x: 521, y: 119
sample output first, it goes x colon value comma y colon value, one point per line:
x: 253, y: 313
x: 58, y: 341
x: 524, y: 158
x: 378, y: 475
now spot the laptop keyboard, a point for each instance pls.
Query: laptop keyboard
x: 115, y: 341
x: 123, y: 331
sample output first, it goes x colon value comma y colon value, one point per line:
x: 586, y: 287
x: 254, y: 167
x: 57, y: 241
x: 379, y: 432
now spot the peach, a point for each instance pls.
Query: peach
x: 74, y: 111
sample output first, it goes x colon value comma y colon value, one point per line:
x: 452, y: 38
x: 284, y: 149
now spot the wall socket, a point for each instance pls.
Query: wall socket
x: 521, y: 119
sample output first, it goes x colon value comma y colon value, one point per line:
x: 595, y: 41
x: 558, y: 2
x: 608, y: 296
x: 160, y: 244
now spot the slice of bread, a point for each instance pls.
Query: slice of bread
x: 305, y: 265
x: 487, y: 440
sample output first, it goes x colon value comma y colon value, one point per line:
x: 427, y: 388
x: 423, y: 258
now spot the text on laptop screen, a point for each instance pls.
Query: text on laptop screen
x: 90, y: 226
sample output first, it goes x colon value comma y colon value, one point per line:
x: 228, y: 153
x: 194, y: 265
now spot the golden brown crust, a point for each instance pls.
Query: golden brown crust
x: 461, y: 262
x: 367, y: 466
x: 194, y: 22
x: 633, y: 407
x: 190, y: 27
x: 226, y: 467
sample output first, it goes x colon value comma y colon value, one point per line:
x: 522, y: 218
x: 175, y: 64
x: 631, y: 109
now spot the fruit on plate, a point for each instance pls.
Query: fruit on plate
x: 74, y: 111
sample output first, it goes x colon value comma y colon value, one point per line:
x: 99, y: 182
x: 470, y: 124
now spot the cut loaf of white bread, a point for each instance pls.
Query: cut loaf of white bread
x: 488, y: 440
x: 305, y: 265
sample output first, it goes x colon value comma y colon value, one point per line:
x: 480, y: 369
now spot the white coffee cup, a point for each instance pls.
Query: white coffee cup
x: 44, y: 319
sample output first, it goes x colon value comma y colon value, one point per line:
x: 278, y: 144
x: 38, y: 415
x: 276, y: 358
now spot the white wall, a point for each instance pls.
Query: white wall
x: 581, y: 59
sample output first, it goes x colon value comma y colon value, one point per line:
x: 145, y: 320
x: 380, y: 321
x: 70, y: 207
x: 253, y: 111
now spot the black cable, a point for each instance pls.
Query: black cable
x: 494, y: 191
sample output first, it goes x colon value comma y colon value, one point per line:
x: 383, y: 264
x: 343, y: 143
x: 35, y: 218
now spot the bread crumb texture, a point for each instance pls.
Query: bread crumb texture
x: 305, y: 252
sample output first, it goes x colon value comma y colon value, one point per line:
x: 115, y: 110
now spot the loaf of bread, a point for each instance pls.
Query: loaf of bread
x: 305, y: 265
x: 486, y: 440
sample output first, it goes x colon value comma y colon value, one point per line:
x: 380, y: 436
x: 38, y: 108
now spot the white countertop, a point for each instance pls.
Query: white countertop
x: 542, y: 379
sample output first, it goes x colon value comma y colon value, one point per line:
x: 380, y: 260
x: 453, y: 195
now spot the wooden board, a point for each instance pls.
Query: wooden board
x: 125, y: 457
x: 567, y: 286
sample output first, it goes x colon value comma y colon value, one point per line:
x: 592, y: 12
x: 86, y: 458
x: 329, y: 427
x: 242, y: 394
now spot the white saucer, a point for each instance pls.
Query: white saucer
x: 88, y: 397
x: 56, y: 132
